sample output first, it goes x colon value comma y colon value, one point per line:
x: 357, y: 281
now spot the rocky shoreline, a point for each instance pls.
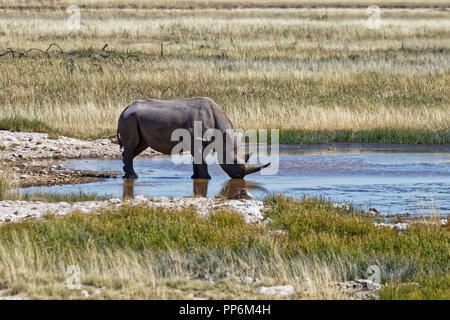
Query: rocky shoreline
x: 17, y: 210
x: 47, y: 173
x: 17, y: 146
x: 251, y: 210
x: 34, y: 158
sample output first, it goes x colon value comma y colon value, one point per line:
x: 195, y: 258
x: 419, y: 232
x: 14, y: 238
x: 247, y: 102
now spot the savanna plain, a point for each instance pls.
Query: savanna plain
x: 312, y: 69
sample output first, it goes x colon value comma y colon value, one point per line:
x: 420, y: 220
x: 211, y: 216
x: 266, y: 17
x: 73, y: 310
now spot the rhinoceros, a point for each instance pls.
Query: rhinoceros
x: 150, y: 123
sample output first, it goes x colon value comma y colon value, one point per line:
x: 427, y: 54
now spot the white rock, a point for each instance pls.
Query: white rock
x: 251, y: 209
x: 277, y: 290
x: 84, y: 210
x: 341, y: 205
x: 401, y: 226
x: 396, y: 226
x: 160, y: 199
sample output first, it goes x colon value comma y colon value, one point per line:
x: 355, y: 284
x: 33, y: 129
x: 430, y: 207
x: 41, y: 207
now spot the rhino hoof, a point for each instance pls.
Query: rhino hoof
x: 200, y: 176
x: 130, y: 176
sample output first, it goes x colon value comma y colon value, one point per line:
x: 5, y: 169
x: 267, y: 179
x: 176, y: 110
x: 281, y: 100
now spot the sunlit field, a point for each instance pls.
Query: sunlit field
x: 319, y: 74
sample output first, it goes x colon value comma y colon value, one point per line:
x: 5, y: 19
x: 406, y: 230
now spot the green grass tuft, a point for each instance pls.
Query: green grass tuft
x: 403, y: 136
x: 316, y: 228
x: 3, y: 186
x: 65, y: 197
x: 424, y: 288
x: 18, y: 124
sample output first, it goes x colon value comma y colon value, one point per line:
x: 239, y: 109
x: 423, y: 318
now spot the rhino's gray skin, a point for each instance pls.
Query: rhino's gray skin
x: 150, y: 123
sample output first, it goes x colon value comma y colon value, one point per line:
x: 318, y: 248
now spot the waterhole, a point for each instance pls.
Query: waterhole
x: 392, y: 179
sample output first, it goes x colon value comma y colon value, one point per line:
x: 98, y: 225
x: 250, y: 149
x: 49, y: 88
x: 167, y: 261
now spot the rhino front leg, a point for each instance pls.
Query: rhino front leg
x: 201, y: 171
x: 127, y: 158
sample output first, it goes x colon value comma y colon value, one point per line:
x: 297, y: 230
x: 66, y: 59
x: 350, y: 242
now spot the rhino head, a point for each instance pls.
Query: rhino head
x: 238, y: 168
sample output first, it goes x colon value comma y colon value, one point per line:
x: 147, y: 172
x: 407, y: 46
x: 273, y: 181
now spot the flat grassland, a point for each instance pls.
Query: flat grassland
x: 318, y: 74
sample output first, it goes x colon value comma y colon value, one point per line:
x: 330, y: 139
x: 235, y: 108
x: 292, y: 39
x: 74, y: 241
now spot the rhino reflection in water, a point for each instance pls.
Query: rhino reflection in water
x: 232, y: 189
x: 238, y: 189
x: 200, y: 187
x: 150, y: 123
x: 128, y: 188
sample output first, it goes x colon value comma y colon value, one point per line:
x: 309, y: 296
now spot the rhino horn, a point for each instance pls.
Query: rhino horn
x: 252, y: 169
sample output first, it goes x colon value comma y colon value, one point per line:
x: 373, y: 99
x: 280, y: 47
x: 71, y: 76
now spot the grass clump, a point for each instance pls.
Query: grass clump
x: 143, y: 252
x: 387, y: 135
x: 424, y: 288
x: 19, y: 124
x: 6, y: 183
x: 315, y: 227
x: 58, y: 197
x: 147, y: 229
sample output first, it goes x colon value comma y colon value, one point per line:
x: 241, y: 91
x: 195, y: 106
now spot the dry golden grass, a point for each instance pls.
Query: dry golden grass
x: 222, y: 4
x: 127, y: 274
x: 309, y: 71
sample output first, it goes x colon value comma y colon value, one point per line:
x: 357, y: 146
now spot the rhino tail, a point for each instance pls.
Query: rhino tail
x: 118, y: 138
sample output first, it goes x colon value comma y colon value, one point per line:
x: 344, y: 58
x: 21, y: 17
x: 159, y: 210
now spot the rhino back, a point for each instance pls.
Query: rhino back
x: 157, y: 119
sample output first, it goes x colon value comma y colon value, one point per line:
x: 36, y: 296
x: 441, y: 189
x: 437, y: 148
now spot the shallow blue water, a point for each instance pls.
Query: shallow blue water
x: 393, y: 181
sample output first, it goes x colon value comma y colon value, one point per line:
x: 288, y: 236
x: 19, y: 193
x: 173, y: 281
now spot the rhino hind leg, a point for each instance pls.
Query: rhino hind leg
x: 127, y: 158
x: 201, y: 171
